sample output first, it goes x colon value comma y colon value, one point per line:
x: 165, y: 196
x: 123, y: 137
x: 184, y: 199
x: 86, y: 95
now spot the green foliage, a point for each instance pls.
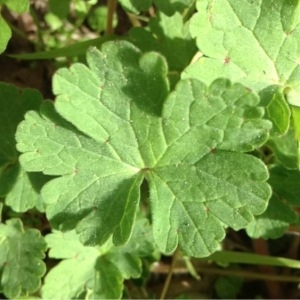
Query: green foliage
x: 5, y: 34
x: 170, y: 37
x: 126, y: 137
x: 191, y: 120
x: 168, y: 7
x: 20, y: 188
x: 97, y: 19
x: 136, y: 6
x: 18, y: 6
x: 268, y: 34
x: 98, y: 272
x: 22, y: 251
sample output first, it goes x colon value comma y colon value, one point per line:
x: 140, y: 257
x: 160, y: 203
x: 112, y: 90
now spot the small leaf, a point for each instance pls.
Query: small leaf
x: 120, y: 130
x: 169, y: 7
x: 285, y: 184
x: 98, y: 272
x: 5, y: 34
x: 20, y: 188
x: 110, y: 282
x: 136, y: 6
x: 97, y: 19
x: 277, y: 109
x: 285, y: 149
x: 25, y: 192
x: 272, y: 223
x: 18, y: 6
x: 75, y: 273
x: 22, y: 251
x: 280, y: 213
x: 60, y: 8
x: 168, y: 36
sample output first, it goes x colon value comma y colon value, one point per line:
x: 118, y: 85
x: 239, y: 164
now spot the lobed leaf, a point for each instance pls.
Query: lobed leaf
x: 22, y: 251
x: 119, y: 129
x: 281, y: 211
x: 20, y: 188
x: 168, y: 36
x: 285, y: 149
x: 97, y: 273
x: 254, y: 43
x: 229, y: 32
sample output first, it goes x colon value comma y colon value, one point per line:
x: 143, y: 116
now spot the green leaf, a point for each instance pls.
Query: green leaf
x: 188, y: 147
x: 60, y: 8
x: 169, y: 7
x: 75, y: 273
x: 110, y: 283
x: 97, y: 272
x: 296, y: 118
x: 5, y: 34
x: 127, y: 258
x: 170, y: 37
x: 226, y: 257
x: 18, y: 6
x: 13, y: 105
x: 285, y: 149
x: 230, y: 32
x: 21, y: 189
x: 285, y: 184
x: 136, y: 6
x: 97, y: 19
x: 280, y: 213
x: 273, y: 222
x: 22, y: 251
x: 277, y: 109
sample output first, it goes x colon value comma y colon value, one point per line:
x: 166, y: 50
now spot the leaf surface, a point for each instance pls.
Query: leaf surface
x: 20, y: 188
x: 169, y: 7
x: 281, y: 212
x: 5, y: 34
x: 230, y: 32
x: 97, y: 272
x: 168, y: 36
x: 285, y: 149
x: 22, y: 251
x: 18, y: 6
x: 120, y: 130
x: 254, y: 43
x: 136, y: 6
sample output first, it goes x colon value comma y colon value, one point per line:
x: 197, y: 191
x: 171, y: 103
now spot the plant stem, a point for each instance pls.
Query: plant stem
x: 111, y: 7
x: 169, y: 276
x: 247, y: 274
